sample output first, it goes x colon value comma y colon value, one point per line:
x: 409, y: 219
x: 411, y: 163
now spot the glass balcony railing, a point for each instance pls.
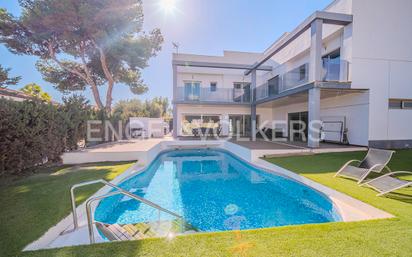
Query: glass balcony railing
x: 294, y: 78
x: 331, y: 71
x: 219, y: 95
x: 299, y: 76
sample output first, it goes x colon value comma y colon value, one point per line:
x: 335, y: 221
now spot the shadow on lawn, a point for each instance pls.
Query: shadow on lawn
x: 400, y: 197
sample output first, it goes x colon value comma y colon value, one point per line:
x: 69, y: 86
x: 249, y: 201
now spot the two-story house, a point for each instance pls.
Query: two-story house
x: 345, y: 72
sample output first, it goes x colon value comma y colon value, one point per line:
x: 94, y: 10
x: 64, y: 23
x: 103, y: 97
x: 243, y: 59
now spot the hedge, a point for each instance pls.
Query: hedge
x: 34, y: 132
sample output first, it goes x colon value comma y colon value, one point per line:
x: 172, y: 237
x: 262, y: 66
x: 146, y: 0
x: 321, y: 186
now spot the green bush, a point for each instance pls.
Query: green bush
x: 33, y: 132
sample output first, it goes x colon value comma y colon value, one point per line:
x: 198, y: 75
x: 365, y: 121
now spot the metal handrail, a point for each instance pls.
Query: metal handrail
x: 90, y: 219
x: 138, y: 198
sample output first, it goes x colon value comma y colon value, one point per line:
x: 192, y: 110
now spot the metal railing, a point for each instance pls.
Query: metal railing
x: 90, y: 220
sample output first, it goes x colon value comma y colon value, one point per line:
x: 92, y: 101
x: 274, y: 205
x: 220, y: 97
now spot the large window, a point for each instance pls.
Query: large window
x: 192, y: 122
x: 192, y: 91
x: 400, y: 103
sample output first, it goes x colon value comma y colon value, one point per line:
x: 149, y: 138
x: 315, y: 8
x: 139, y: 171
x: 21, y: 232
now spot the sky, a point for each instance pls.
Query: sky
x: 206, y: 27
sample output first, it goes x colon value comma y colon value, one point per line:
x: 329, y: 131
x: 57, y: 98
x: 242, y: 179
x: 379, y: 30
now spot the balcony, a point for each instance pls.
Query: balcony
x: 206, y: 95
x: 294, y: 78
x: 299, y: 77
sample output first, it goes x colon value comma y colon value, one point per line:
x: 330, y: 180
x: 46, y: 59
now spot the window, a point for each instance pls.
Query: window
x: 400, y: 104
x: 302, y: 72
x: 407, y: 104
x: 192, y: 91
x: 213, y: 86
x: 273, y: 86
x: 395, y: 104
x: 241, y: 92
x: 192, y: 123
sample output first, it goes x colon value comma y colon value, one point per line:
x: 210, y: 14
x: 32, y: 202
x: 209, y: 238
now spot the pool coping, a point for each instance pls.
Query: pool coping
x: 349, y: 208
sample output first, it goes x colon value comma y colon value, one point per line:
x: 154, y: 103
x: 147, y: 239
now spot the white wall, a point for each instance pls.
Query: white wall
x: 223, y: 80
x: 264, y: 114
x: 340, y: 6
x: 382, y: 62
x: 224, y: 77
x: 227, y: 57
x: 353, y: 106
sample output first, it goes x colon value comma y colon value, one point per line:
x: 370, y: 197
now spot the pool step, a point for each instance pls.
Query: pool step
x: 116, y: 232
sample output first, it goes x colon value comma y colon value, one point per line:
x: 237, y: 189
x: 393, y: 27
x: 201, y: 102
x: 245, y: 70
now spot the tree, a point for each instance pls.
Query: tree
x: 156, y: 108
x: 125, y: 109
x: 77, y: 112
x: 36, y: 91
x: 164, y: 103
x: 84, y: 43
x: 5, y: 79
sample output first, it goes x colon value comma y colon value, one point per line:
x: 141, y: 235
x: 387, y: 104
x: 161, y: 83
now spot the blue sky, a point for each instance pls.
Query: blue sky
x: 200, y: 26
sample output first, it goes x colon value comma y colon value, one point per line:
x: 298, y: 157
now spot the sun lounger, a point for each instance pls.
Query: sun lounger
x: 388, y: 183
x: 375, y: 160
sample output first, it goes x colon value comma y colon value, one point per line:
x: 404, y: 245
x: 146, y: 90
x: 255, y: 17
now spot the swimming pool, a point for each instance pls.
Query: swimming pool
x: 216, y: 191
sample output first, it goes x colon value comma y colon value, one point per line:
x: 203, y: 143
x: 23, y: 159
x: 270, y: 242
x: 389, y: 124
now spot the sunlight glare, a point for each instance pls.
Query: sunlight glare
x: 168, y: 6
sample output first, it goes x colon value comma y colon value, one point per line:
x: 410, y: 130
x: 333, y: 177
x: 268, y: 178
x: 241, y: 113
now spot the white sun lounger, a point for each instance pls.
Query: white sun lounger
x: 388, y: 183
x: 375, y: 160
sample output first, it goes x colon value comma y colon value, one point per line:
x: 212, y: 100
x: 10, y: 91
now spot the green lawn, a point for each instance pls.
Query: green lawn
x: 389, y: 237
x: 30, y: 206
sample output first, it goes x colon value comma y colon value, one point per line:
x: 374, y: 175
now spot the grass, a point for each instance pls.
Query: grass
x: 31, y: 205
x: 388, y: 237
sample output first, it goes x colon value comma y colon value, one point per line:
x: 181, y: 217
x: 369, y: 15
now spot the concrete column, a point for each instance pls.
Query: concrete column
x: 315, y: 61
x: 314, y: 117
x: 345, y: 54
x: 224, y: 121
x: 174, y: 100
x: 253, y: 106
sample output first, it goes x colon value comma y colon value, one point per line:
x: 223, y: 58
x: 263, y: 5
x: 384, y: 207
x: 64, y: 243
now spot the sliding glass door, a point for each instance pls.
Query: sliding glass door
x: 241, y: 125
x: 298, y: 121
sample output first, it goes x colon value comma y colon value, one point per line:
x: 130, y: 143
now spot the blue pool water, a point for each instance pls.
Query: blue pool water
x: 214, y: 191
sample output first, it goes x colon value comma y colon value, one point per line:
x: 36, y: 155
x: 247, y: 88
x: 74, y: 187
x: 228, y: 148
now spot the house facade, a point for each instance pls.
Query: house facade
x: 343, y: 75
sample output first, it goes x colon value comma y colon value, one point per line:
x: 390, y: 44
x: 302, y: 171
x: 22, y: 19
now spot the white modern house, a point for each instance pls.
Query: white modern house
x: 345, y: 70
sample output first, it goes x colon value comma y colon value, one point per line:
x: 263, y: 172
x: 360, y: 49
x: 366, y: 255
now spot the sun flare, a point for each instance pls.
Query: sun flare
x: 168, y: 6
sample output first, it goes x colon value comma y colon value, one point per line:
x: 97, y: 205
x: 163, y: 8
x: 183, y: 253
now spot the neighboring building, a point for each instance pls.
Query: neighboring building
x: 14, y: 95
x: 349, y: 65
x: 18, y: 96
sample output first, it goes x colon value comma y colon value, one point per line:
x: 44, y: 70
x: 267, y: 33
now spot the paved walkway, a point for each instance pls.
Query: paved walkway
x: 127, y: 145
x: 284, y: 145
x: 125, y: 150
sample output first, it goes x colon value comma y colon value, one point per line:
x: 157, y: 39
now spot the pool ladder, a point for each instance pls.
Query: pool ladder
x: 90, y: 219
